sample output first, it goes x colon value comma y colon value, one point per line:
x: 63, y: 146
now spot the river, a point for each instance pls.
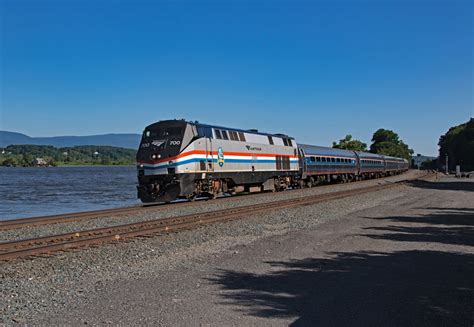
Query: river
x: 29, y: 192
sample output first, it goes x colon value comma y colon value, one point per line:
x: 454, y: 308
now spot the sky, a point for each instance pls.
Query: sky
x: 315, y: 70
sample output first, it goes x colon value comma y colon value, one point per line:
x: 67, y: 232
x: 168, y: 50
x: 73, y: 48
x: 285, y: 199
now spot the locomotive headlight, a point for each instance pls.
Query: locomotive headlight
x: 158, y: 156
x: 153, y: 156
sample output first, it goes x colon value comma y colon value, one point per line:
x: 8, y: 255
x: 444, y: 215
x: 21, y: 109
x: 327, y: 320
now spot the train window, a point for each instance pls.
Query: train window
x: 224, y: 135
x: 313, y: 159
x: 218, y: 134
x: 333, y: 159
x: 318, y: 159
x: 285, y: 142
x: 270, y: 140
x: 242, y: 136
x: 290, y: 143
x: 338, y: 160
x: 233, y: 136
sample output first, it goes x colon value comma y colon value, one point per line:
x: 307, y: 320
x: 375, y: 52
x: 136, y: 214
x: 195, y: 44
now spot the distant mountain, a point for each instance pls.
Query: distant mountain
x: 130, y: 141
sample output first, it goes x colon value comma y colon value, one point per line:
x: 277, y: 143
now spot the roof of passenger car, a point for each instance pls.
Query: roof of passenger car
x: 369, y: 155
x: 393, y: 158
x: 315, y: 150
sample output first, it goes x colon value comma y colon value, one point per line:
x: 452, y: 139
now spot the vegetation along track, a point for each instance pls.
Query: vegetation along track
x: 10, y: 224
x: 43, y: 245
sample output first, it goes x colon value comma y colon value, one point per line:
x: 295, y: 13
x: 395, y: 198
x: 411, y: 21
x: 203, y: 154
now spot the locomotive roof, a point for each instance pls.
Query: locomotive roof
x: 250, y: 131
x: 315, y: 150
x: 197, y: 124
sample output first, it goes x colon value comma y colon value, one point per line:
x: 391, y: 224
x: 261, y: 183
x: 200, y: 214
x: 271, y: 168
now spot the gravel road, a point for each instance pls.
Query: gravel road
x: 400, y: 257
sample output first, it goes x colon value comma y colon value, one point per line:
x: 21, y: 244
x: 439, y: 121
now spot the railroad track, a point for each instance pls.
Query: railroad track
x: 48, y: 244
x: 116, y: 212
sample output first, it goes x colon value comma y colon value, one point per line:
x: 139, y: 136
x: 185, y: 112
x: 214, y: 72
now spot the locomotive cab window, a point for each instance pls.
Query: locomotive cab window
x: 218, y: 134
x: 270, y: 140
x: 242, y: 136
x: 290, y: 143
x: 285, y: 142
x: 173, y: 131
x: 224, y: 135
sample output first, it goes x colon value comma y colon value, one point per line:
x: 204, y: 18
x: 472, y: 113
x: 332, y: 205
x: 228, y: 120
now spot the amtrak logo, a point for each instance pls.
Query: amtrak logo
x: 157, y: 143
x: 220, y: 156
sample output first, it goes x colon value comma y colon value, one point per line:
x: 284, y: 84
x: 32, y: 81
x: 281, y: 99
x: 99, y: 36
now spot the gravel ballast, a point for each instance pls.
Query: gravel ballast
x: 170, y: 274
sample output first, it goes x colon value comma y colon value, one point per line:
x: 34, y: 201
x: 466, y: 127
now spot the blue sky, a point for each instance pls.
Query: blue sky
x: 316, y: 70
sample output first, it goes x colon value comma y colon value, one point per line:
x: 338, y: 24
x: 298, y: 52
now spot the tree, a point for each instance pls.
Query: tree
x: 458, y: 144
x: 385, y: 135
x: 348, y: 143
x: 387, y: 142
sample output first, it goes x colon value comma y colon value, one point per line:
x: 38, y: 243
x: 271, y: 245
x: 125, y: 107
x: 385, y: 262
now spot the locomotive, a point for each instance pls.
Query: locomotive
x: 182, y: 159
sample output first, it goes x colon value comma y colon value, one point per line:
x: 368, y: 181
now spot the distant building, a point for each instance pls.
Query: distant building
x: 419, y: 159
x: 40, y: 162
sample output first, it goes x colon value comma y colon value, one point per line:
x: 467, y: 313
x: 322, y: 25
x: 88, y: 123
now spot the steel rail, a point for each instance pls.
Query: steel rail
x: 95, y: 214
x: 43, y: 245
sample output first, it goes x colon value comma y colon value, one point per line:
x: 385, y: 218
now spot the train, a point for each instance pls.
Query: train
x: 179, y: 159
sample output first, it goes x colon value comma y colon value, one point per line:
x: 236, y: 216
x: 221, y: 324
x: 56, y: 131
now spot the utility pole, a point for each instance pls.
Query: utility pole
x: 447, y: 167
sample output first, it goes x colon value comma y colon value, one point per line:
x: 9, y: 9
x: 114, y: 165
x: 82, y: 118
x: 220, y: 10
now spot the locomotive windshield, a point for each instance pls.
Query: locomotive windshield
x: 163, y: 132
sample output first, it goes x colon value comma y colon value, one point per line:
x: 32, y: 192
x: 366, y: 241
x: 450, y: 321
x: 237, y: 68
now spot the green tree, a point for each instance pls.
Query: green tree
x: 458, y: 144
x: 348, y: 143
x: 388, y: 142
x: 23, y: 155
